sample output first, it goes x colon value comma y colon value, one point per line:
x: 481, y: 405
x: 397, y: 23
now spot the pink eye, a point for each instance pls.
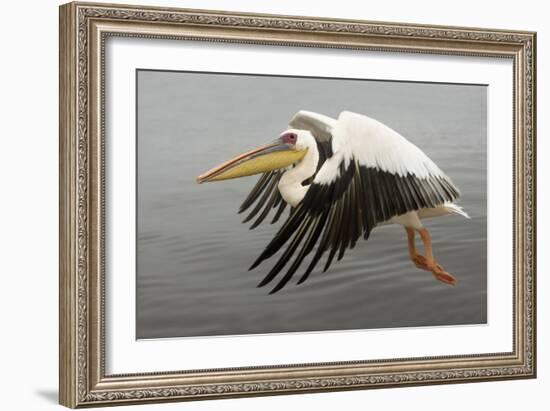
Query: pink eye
x: 290, y: 138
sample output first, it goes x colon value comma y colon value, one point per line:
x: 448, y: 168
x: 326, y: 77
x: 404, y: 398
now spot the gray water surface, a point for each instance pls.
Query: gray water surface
x: 193, y: 253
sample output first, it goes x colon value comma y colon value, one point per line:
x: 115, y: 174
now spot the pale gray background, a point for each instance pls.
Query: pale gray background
x: 193, y: 252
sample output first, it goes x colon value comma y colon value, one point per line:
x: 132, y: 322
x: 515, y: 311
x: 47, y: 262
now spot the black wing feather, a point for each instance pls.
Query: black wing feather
x: 333, y: 216
x: 272, y: 184
x: 268, y: 206
x: 335, y: 233
x: 265, y: 194
x: 329, y: 226
x: 280, y: 210
x: 256, y: 191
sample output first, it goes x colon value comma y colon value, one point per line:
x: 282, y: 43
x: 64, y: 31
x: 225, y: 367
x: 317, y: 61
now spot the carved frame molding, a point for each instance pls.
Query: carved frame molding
x: 83, y: 30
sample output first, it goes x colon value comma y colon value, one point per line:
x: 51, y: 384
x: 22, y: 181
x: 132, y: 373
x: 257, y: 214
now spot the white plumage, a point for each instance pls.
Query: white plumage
x: 370, y: 142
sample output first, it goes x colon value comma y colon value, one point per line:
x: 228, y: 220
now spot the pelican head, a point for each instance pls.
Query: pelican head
x: 289, y: 148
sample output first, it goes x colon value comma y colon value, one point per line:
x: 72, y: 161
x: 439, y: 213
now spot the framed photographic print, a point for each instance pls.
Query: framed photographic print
x: 259, y: 204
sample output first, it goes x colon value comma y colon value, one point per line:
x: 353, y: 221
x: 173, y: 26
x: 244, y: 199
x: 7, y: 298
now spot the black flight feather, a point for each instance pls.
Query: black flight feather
x: 334, y: 215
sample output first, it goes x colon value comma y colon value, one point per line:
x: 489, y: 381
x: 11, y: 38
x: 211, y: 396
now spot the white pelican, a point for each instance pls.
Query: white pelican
x: 342, y: 178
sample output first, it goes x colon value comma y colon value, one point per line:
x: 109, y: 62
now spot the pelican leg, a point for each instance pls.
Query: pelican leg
x: 432, y: 265
x: 418, y: 259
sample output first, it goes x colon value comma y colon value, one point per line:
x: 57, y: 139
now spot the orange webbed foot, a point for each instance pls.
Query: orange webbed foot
x: 443, y: 276
x: 422, y: 262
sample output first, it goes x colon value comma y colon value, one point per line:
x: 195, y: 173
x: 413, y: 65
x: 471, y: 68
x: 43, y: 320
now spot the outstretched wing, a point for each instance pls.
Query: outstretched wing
x: 374, y: 174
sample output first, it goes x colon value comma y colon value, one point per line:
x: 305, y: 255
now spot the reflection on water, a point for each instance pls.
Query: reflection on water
x: 193, y: 252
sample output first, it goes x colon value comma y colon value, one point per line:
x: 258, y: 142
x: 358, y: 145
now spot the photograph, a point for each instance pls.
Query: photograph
x: 276, y: 204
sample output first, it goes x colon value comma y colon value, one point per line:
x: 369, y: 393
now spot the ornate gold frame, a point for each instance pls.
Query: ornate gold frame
x: 83, y: 30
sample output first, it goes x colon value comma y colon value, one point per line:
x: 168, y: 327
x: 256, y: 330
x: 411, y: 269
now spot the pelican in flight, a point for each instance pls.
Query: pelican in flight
x: 341, y: 178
